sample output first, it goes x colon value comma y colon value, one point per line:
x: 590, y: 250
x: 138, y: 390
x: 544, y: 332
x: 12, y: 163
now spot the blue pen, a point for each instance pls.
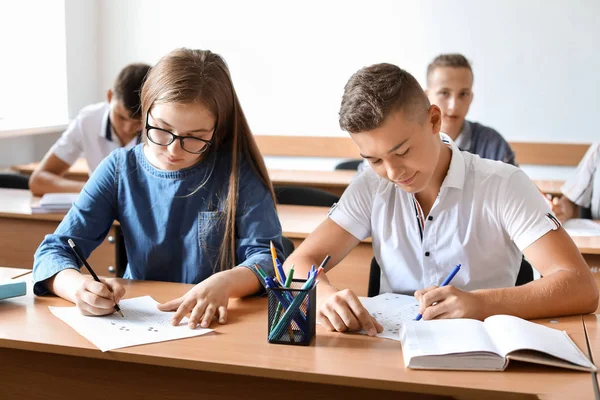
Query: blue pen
x: 280, y: 270
x: 445, y: 283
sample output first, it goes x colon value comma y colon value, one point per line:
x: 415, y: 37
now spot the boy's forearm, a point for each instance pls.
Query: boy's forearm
x: 560, y: 293
x: 46, y: 182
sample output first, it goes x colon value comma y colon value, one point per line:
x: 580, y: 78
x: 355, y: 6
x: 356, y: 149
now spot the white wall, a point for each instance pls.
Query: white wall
x: 81, y: 28
x: 535, y: 62
x: 83, y: 62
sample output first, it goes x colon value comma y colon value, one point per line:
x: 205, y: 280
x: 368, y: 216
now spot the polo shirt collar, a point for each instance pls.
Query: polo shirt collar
x: 105, y: 130
x: 107, y: 133
x: 455, y: 177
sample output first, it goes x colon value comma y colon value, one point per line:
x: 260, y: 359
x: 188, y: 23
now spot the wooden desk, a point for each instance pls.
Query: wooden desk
x: 297, y: 222
x: 332, y: 181
x: 549, y: 187
x: 7, y: 273
x: 21, y: 232
x: 592, y: 329
x: 238, y: 362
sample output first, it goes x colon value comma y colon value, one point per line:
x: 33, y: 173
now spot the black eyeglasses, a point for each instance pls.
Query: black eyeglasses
x: 163, y: 137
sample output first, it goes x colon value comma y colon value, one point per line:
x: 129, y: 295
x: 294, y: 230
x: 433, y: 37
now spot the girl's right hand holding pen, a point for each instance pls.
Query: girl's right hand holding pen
x: 98, y: 298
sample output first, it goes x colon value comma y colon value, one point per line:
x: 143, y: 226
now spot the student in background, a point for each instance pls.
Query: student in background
x: 429, y: 206
x: 194, y: 200
x: 97, y: 130
x: 582, y: 189
x: 450, y: 87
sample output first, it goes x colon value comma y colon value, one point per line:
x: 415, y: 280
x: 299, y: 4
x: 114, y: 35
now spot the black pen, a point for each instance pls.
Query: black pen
x: 90, y: 270
x: 324, y: 262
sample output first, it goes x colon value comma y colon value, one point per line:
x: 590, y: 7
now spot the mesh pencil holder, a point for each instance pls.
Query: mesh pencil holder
x: 292, y: 314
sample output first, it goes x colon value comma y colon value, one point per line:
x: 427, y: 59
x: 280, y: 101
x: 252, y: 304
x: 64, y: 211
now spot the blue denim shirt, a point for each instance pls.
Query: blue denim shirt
x: 171, y: 232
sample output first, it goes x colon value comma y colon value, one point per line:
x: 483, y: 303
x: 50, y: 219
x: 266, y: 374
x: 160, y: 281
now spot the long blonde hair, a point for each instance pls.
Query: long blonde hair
x: 200, y: 76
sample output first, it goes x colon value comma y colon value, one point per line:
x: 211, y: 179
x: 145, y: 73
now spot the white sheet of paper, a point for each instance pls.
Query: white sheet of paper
x: 582, y: 227
x: 391, y: 310
x: 143, y: 323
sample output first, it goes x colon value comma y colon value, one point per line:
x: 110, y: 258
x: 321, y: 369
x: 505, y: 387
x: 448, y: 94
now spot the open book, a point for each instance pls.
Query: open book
x: 467, y: 344
x: 582, y: 227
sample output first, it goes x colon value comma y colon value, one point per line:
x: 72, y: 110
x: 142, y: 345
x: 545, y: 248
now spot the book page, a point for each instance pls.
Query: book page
x: 391, y: 310
x: 444, y: 336
x: 512, y: 333
x: 143, y: 323
x: 582, y: 227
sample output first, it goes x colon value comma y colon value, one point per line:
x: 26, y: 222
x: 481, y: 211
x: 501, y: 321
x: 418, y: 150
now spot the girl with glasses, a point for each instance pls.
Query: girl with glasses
x: 194, y: 201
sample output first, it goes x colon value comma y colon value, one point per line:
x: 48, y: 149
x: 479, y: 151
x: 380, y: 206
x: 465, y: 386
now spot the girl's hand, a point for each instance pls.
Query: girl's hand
x: 95, y: 298
x: 206, y: 300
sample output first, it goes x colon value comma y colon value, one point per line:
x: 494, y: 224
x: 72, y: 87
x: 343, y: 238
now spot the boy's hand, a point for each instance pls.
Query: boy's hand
x: 342, y: 311
x: 449, y: 302
x: 563, y: 208
x: 95, y: 298
x: 206, y: 300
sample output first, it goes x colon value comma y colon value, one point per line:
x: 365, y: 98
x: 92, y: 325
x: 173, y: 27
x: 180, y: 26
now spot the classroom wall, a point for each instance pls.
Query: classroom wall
x: 535, y: 62
x: 83, y: 87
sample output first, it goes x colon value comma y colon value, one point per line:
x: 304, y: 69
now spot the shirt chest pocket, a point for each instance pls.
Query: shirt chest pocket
x: 211, y: 230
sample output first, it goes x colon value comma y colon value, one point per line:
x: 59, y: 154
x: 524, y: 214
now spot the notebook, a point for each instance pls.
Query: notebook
x: 467, y: 344
x: 10, y: 289
x: 54, y: 203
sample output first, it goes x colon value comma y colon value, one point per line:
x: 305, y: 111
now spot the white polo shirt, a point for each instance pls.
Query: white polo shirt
x: 583, y: 188
x: 486, y: 213
x: 89, y: 136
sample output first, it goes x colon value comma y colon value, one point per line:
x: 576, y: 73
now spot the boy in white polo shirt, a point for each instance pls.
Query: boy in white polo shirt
x: 97, y: 130
x: 429, y: 206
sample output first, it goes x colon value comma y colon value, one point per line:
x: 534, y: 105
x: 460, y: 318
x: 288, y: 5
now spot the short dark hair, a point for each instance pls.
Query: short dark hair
x: 128, y: 86
x: 454, y: 60
x: 374, y: 92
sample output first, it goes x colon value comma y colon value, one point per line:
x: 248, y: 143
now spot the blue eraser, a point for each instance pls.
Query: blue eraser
x: 12, y: 289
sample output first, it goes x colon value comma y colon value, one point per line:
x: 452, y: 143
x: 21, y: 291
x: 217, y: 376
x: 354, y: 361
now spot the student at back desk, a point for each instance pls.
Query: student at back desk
x: 582, y: 189
x: 97, y: 130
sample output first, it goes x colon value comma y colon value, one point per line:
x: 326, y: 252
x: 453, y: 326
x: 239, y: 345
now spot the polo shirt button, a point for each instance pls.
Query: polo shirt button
x: 430, y: 218
x: 426, y: 254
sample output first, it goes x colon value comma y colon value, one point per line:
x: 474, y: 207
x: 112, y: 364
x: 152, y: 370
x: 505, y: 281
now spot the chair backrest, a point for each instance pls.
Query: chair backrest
x: 14, y: 181
x: 288, y: 246
x: 525, y: 276
x: 120, y: 252
x: 585, y: 212
x: 349, y: 165
x: 304, y: 196
x: 374, y: 279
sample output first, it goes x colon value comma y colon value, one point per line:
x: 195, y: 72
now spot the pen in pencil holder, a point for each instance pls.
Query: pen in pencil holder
x: 292, y: 323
